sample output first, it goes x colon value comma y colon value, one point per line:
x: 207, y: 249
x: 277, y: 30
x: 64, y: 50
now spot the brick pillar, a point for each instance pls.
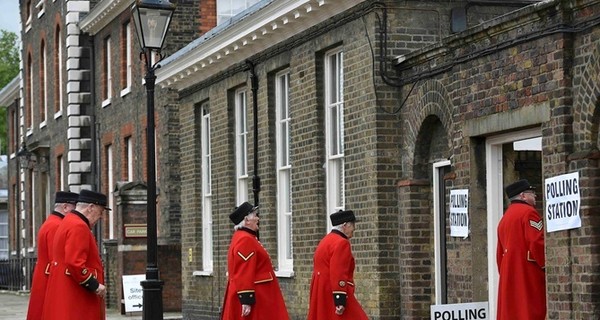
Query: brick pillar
x: 415, y: 234
x: 128, y: 255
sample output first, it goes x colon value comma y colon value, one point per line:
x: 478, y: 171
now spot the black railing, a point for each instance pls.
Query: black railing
x: 15, y: 274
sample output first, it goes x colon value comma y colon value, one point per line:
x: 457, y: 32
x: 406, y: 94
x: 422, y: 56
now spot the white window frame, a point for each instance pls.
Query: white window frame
x: 61, y: 171
x: 285, y: 258
x: 495, y: 201
x: 60, y: 74
x: 334, y: 132
x: 44, y: 83
x: 33, y: 179
x: 31, y: 113
x: 110, y: 182
x: 128, y: 60
x: 41, y: 6
x: 224, y: 15
x: 129, y: 159
x: 4, y: 238
x: 241, y: 145
x: 108, y: 72
x: 207, y: 223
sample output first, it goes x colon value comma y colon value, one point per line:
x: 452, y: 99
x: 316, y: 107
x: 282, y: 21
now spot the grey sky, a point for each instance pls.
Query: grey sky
x: 9, y: 16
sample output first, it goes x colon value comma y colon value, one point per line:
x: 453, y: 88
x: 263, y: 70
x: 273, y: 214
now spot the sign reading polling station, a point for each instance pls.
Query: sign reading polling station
x: 459, y: 213
x: 563, y: 202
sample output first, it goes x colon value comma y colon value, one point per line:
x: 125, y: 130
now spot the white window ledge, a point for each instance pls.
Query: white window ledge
x: 125, y: 91
x: 106, y: 103
x: 202, y: 273
x: 284, y: 274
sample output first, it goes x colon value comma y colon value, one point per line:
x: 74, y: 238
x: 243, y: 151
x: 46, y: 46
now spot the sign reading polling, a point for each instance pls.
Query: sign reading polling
x: 459, y: 213
x: 563, y: 202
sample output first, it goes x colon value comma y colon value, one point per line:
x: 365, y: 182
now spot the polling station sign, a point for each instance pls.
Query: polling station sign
x: 459, y: 213
x: 563, y: 202
x: 460, y: 311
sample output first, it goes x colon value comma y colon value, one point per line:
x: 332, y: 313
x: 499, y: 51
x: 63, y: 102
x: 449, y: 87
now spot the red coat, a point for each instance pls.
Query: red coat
x: 521, y: 261
x: 332, y: 281
x: 42, y: 266
x: 75, y: 273
x: 251, y: 281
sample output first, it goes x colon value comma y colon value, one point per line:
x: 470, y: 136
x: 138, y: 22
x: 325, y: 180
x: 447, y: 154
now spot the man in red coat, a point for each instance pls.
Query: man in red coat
x: 332, y: 285
x: 75, y: 287
x: 520, y: 257
x: 63, y: 203
x: 252, y: 291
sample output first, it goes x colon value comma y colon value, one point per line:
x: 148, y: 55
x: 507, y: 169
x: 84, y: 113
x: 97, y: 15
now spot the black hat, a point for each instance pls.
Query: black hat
x: 65, y: 197
x: 241, y: 212
x: 517, y: 187
x: 87, y: 196
x: 342, y: 216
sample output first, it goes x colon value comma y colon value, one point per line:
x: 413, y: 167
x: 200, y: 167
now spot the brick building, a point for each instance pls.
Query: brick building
x: 379, y: 107
x: 384, y: 108
x: 78, y: 121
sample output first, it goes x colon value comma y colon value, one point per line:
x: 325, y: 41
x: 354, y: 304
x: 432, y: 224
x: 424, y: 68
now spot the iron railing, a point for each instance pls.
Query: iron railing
x: 16, y: 273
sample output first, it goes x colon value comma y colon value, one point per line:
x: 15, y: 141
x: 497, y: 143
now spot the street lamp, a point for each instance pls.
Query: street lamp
x: 24, y: 157
x: 151, y: 19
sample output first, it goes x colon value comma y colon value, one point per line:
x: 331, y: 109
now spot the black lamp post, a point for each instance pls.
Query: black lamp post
x: 151, y: 19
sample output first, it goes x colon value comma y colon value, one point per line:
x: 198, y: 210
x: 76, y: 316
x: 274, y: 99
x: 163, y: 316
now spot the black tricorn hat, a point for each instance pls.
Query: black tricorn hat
x: 241, y: 212
x: 65, y: 197
x: 515, y: 188
x: 87, y: 196
x: 341, y: 217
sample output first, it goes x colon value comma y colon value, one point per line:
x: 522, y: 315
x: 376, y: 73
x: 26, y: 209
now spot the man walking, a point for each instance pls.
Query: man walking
x: 332, y: 285
x: 64, y: 202
x: 76, y: 286
x: 252, y: 291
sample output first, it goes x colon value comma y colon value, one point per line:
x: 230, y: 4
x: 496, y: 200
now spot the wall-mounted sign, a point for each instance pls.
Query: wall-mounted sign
x: 563, y: 201
x: 459, y: 213
x: 135, y: 231
x: 460, y: 311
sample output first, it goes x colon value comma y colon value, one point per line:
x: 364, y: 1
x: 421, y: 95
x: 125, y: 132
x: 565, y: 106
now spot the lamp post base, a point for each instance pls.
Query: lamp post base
x: 152, y: 300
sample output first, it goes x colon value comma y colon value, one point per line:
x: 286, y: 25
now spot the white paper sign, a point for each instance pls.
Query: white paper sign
x: 563, y: 202
x: 460, y: 311
x: 133, y: 292
x: 459, y: 213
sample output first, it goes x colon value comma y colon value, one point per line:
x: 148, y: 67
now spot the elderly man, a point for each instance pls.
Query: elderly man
x: 75, y: 288
x: 253, y: 291
x: 64, y: 202
x: 520, y: 257
x: 332, y: 286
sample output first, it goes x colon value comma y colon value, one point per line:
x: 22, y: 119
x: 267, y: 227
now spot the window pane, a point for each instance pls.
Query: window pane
x: 340, y: 130
x: 289, y: 253
x: 333, y: 124
x: 333, y: 85
x: 283, y: 152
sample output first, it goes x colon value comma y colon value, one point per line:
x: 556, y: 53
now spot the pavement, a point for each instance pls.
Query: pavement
x: 13, y: 306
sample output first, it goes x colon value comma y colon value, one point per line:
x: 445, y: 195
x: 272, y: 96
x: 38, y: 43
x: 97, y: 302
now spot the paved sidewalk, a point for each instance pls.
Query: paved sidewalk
x: 13, y: 306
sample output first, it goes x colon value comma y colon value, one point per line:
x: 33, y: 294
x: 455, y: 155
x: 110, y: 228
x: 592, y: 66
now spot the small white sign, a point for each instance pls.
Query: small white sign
x: 133, y: 293
x: 459, y: 213
x: 463, y: 311
x: 563, y: 202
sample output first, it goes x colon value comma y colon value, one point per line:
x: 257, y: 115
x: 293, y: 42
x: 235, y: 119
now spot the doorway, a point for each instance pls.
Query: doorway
x: 509, y: 157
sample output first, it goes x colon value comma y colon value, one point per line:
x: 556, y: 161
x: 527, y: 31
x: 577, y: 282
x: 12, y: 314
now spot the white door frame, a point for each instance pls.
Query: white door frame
x: 437, y: 233
x: 495, y: 199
